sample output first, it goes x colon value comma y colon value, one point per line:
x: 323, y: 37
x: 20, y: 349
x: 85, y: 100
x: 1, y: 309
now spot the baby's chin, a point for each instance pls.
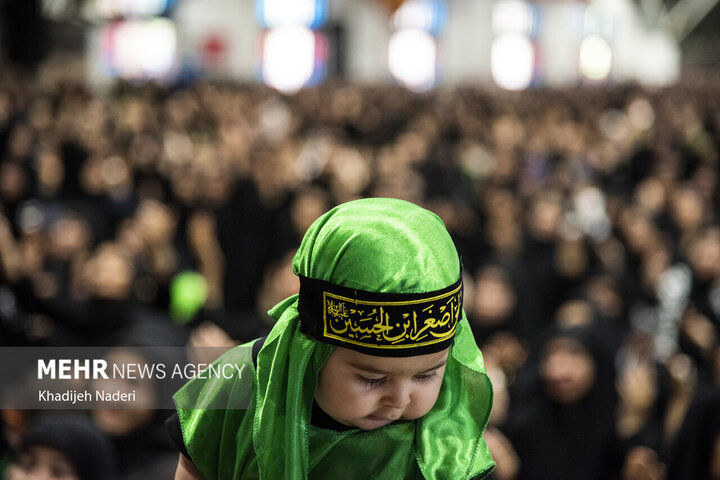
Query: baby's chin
x: 372, y: 422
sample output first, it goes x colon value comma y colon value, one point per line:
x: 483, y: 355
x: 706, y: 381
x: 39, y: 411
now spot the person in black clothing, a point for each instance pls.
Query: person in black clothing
x: 696, y: 454
x: 138, y: 434
x: 562, y: 427
x: 63, y: 447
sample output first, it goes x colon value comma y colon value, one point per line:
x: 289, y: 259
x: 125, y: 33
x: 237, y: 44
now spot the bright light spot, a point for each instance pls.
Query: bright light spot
x: 595, y: 57
x: 278, y: 13
x: 658, y: 62
x: 412, y: 58
x: 129, y: 8
x: 512, y: 59
x: 288, y: 58
x: 513, y: 16
x: 143, y: 49
x: 427, y: 15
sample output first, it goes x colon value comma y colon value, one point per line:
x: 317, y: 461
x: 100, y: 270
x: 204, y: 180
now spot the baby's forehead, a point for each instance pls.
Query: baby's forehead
x: 346, y: 357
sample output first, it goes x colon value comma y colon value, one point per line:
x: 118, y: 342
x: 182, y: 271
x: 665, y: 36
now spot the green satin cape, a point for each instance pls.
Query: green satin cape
x: 379, y: 245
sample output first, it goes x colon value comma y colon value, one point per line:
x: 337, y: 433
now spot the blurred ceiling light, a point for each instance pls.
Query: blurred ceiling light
x: 288, y: 59
x: 659, y: 59
x: 131, y: 8
x: 278, y: 13
x: 513, y: 16
x: 512, y: 60
x: 140, y: 49
x: 427, y: 15
x: 595, y: 57
x: 412, y: 59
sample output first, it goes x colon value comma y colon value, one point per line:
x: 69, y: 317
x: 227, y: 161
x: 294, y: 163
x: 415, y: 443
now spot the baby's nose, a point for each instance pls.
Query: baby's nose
x: 397, y: 395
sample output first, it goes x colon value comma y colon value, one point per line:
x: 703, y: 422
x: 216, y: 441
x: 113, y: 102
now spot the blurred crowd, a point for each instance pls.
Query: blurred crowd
x: 587, y: 220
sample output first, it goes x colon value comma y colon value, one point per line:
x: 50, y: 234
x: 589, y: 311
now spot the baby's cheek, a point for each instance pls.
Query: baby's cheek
x: 418, y: 410
x: 430, y: 398
x: 420, y: 407
x: 356, y: 400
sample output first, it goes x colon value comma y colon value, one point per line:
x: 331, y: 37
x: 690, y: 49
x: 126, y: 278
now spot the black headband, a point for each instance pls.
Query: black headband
x: 384, y: 324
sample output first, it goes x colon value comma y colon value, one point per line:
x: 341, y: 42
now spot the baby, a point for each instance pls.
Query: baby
x: 370, y: 372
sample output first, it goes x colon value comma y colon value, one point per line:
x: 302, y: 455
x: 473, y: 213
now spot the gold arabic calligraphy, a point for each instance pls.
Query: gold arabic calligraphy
x: 392, y: 324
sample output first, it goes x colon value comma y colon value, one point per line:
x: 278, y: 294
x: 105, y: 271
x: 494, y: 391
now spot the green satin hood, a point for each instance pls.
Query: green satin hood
x: 382, y: 245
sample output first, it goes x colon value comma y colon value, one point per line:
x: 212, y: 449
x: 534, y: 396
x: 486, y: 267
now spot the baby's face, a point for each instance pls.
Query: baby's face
x: 368, y: 392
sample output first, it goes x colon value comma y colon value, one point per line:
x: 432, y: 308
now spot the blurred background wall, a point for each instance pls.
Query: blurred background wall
x: 421, y: 44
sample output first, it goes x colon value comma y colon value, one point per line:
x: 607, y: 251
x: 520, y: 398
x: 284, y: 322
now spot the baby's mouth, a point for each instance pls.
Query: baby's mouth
x: 375, y: 417
x: 379, y: 418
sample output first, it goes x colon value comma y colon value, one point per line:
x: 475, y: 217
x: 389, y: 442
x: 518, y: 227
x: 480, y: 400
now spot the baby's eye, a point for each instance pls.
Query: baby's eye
x: 426, y: 377
x: 372, y: 382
